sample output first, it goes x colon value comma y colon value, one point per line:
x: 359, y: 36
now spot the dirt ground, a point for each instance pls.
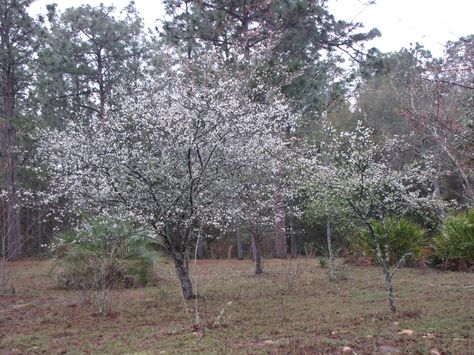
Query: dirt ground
x: 291, y: 308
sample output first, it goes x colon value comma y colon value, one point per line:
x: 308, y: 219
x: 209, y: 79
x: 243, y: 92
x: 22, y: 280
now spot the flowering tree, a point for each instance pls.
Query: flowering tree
x: 373, y: 181
x: 254, y: 192
x: 171, y: 159
x: 323, y: 206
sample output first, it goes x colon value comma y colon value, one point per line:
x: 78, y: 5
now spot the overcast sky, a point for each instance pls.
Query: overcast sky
x: 429, y: 22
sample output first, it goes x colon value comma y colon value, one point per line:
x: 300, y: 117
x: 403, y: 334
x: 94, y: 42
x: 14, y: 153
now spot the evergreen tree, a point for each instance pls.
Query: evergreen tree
x: 19, y: 42
x: 89, y: 55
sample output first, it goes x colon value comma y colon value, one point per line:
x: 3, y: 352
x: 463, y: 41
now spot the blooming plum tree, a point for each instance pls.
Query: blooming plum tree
x: 367, y: 173
x: 176, y: 158
x: 254, y: 190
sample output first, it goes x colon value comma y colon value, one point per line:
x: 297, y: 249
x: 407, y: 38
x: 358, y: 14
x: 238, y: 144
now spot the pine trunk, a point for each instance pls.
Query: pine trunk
x: 12, y: 209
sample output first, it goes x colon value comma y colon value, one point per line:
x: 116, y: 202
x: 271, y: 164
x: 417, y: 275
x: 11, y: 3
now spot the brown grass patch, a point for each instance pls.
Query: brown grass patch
x: 266, y: 314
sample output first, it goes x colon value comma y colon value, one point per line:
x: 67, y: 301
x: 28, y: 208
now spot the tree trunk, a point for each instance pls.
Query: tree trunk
x: 189, y: 46
x: 332, y: 274
x: 183, y: 275
x: 100, y: 82
x: 436, y: 188
x: 467, y: 184
x: 382, y: 258
x: 201, y: 248
x: 229, y: 251
x: 293, y: 245
x: 13, y: 231
x: 279, y: 228
x: 280, y: 239
x: 258, y: 255
x: 391, y: 295
x: 253, y: 248
x: 245, y: 33
x: 39, y: 235
x: 238, y: 238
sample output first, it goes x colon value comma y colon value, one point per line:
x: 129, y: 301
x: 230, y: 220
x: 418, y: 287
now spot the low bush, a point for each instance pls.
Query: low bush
x: 454, y: 245
x: 101, y: 255
x: 400, y: 237
x: 104, y: 254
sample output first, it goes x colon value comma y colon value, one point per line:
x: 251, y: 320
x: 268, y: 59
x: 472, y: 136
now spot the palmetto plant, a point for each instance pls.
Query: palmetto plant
x: 103, y: 254
x: 455, y: 243
x: 398, y: 236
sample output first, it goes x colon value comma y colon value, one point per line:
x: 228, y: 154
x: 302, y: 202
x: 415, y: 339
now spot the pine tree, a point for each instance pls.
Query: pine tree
x: 19, y: 41
x: 89, y: 55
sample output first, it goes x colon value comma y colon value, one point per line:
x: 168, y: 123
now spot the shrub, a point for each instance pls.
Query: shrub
x: 323, y: 262
x: 104, y: 253
x: 402, y: 237
x: 454, y: 245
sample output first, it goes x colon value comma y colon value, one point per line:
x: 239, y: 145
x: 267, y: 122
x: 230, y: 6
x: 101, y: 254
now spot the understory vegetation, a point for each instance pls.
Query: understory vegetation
x: 403, y: 238
x: 124, y: 253
x: 454, y: 245
x: 102, y: 255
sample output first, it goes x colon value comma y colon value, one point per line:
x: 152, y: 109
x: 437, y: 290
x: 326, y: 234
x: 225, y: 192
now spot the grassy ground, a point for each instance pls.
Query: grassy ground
x: 292, y: 308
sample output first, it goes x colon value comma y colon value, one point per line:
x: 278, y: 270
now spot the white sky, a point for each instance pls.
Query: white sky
x: 429, y: 22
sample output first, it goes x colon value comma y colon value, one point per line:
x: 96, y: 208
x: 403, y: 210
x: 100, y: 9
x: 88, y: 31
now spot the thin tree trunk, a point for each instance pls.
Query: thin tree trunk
x: 258, y: 255
x: 467, y: 184
x: 294, y: 247
x: 238, y: 238
x: 332, y: 274
x: 189, y: 46
x: 245, y: 33
x: 102, y: 93
x: 39, y: 236
x: 229, y: 251
x: 280, y: 239
x: 201, y: 246
x: 436, y: 188
x: 196, y: 304
x: 279, y: 228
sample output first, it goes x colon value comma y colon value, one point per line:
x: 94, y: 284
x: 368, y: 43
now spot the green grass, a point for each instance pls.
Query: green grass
x: 266, y: 315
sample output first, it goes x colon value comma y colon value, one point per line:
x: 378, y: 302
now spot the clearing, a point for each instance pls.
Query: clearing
x: 291, y: 308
